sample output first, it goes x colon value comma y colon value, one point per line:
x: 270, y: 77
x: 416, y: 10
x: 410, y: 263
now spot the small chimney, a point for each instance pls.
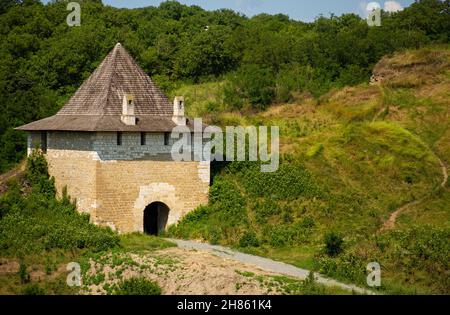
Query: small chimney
x: 128, y: 117
x: 178, y: 111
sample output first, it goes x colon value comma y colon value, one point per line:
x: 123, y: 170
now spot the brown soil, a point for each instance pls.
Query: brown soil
x: 181, y: 271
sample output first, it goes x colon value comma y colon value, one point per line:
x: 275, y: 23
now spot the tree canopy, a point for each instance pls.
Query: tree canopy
x: 263, y: 59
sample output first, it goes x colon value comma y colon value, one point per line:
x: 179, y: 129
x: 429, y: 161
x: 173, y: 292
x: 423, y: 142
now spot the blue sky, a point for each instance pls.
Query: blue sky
x: 304, y: 10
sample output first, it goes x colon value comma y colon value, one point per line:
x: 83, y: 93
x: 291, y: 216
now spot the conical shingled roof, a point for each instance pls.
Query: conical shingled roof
x: 103, y: 92
x: 97, y: 104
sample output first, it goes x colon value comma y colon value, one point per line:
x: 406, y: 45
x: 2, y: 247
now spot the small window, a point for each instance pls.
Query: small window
x: 44, y: 141
x: 119, y: 138
x: 143, y: 138
x: 180, y: 104
x: 166, y: 138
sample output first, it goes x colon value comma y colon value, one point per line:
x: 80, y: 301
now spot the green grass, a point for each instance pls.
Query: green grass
x: 343, y: 171
x: 300, y: 256
x: 140, y: 242
x: 137, y: 286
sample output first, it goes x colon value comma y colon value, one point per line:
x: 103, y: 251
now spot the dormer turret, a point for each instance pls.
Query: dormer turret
x: 128, y: 117
x: 178, y: 111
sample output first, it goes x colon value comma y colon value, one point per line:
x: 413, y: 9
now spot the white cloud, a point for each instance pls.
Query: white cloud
x: 367, y: 7
x: 372, y: 6
x: 392, y: 6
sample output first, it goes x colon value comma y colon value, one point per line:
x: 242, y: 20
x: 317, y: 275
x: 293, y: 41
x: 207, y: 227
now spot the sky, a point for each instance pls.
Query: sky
x: 303, y: 10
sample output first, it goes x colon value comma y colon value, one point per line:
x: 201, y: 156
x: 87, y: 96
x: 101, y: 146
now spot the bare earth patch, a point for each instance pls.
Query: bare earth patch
x: 181, y: 271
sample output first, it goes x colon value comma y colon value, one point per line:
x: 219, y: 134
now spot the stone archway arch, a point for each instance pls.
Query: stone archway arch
x: 156, y: 216
x: 157, y: 192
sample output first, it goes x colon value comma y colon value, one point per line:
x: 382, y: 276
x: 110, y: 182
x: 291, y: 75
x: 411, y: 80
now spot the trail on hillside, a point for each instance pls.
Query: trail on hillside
x: 390, y: 223
x: 267, y: 264
x: 15, y: 172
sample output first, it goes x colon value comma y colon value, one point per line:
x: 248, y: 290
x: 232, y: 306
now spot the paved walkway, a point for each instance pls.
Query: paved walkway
x: 266, y: 264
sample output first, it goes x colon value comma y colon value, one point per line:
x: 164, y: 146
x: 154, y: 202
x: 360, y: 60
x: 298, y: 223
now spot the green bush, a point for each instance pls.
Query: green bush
x: 33, y: 289
x: 39, y: 221
x: 10, y: 198
x: 249, y: 239
x: 137, y: 286
x: 290, y: 181
x: 348, y: 266
x: 251, y: 83
x: 241, y: 194
x: 333, y: 244
x: 37, y: 174
x: 23, y: 274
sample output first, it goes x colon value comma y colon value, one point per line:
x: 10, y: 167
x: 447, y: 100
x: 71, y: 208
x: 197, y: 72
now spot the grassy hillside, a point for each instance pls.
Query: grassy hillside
x: 41, y: 234
x: 350, y: 160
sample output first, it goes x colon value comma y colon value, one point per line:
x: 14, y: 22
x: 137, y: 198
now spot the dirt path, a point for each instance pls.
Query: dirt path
x: 15, y: 172
x: 444, y: 173
x: 266, y: 264
x: 378, y: 114
x: 12, y: 173
x: 390, y: 223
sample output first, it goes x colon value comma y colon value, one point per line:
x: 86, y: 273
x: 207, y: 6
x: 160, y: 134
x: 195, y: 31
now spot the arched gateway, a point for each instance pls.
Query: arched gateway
x: 155, y: 218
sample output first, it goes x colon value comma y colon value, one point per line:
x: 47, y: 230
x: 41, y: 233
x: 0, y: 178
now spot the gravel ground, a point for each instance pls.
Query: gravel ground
x: 266, y: 264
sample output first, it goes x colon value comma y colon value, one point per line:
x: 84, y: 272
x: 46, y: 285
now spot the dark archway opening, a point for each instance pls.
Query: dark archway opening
x: 155, y: 218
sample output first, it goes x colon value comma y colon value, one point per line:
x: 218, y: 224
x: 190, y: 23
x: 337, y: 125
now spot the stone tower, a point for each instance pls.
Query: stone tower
x: 110, y: 146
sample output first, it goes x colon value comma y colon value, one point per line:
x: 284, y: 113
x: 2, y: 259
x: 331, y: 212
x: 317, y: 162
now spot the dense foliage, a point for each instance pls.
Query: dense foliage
x: 137, y: 286
x: 251, y: 208
x: 39, y: 222
x: 353, y: 158
x: 263, y: 59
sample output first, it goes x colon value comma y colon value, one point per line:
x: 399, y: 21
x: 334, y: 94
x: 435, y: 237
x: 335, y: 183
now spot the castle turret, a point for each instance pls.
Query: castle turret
x: 110, y: 148
x: 178, y: 111
x: 128, y: 117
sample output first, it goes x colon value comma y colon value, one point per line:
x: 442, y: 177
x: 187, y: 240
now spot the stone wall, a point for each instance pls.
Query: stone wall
x: 105, y: 144
x: 73, y: 164
x: 115, y: 183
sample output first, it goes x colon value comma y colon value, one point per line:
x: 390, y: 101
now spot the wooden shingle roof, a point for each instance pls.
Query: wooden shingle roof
x: 97, y: 104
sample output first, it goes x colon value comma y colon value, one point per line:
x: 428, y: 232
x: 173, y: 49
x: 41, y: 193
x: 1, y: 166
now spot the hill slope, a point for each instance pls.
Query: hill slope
x: 351, y: 159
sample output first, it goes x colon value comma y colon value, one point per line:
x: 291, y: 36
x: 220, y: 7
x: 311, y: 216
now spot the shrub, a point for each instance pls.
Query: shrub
x: 39, y: 221
x: 265, y: 209
x: 307, y: 222
x: 33, y: 289
x: 249, y: 239
x: 253, y: 84
x: 198, y: 214
x: 292, y: 180
x: 348, y: 266
x: 333, y: 244
x: 24, y: 276
x: 137, y: 286
x: 11, y: 198
x: 37, y: 174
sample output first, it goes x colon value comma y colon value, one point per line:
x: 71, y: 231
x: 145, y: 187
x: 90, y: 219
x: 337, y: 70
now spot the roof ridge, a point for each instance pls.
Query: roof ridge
x: 114, y: 61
